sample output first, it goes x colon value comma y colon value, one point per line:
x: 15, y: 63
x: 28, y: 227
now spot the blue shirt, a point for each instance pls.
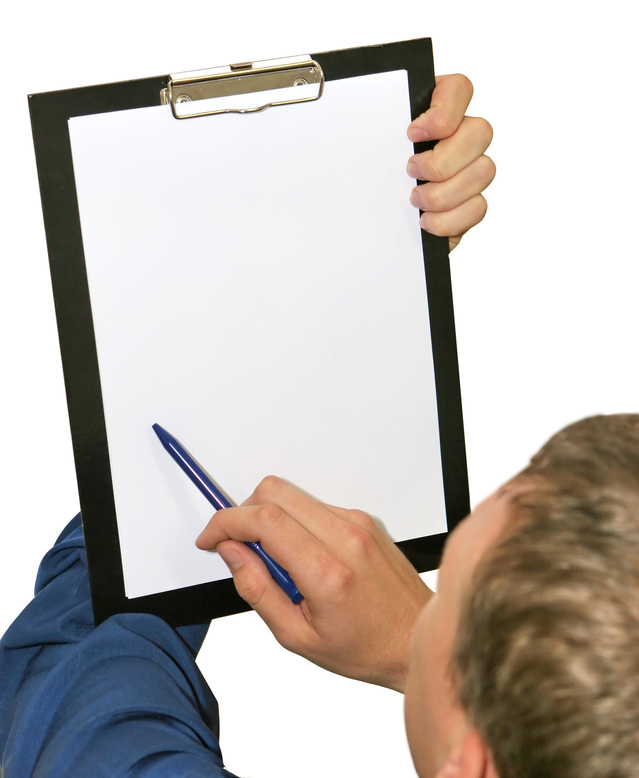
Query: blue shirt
x: 123, y: 699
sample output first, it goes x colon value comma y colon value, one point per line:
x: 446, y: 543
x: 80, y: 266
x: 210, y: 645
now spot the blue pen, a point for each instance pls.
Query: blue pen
x: 219, y: 501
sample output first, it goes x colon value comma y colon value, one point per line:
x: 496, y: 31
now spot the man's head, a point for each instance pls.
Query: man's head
x: 526, y: 663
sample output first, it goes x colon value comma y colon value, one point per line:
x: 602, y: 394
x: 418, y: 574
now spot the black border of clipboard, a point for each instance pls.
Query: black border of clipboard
x: 50, y: 112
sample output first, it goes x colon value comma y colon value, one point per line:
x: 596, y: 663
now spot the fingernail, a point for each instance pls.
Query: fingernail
x: 412, y: 169
x: 417, y: 134
x: 415, y: 199
x: 230, y: 557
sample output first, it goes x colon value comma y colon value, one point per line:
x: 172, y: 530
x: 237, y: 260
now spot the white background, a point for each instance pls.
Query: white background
x: 545, y: 288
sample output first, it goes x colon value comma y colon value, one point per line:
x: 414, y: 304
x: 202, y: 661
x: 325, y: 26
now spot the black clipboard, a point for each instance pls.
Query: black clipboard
x: 50, y: 115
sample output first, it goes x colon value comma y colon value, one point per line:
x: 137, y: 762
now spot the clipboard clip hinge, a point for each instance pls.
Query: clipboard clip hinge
x: 246, y: 87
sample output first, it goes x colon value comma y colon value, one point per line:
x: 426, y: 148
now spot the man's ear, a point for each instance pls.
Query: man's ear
x: 471, y: 759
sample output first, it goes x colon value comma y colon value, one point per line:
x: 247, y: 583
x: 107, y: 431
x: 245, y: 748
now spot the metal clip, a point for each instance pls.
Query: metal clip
x: 243, y: 88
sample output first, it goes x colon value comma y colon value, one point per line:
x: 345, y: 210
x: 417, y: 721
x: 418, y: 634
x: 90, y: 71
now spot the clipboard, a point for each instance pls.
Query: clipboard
x: 346, y: 337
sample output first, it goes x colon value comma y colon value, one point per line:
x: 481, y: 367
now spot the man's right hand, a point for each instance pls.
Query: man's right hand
x: 361, y: 595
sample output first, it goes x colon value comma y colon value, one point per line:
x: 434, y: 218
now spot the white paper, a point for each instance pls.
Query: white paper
x: 257, y: 288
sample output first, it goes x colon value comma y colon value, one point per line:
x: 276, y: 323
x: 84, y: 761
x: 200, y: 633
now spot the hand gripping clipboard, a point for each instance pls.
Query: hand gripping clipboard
x: 232, y: 255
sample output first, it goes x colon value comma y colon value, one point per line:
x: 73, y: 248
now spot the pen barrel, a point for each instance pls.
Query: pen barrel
x: 192, y: 469
x: 279, y: 574
x: 208, y: 489
x: 213, y: 494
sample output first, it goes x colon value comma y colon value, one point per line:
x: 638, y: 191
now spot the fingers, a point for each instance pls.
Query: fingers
x: 451, y: 97
x: 319, y: 519
x: 447, y: 195
x: 255, y: 586
x: 316, y: 543
x: 456, y: 170
x: 282, y: 537
x: 296, y: 531
x: 453, y: 206
x: 454, y: 153
x: 274, y: 502
x: 362, y: 596
x: 454, y: 224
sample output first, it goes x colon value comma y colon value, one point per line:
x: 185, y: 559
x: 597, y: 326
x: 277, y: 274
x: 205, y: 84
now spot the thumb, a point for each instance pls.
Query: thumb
x: 256, y: 586
x: 230, y: 551
x: 252, y: 579
x: 250, y: 576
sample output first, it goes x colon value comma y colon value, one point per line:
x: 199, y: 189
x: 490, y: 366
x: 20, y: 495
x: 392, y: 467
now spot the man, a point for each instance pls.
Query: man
x: 525, y: 662
x: 126, y: 698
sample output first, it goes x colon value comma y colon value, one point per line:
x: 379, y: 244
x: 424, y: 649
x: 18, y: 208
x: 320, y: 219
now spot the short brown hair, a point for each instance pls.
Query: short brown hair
x: 546, y: 661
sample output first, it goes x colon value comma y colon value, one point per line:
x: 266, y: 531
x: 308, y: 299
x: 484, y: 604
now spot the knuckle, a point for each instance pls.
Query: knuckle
x: 431, y: 198
x: 473, y: 213
x: 443, y: 126
x: 337, y: 579
x: 478, y: 206
x: 488, y: 169
x: 463, y: 84
x: 481, y: 207
x: 482, y: 129
x: 434, y: 223
x: 267, y: 488
x: 359, y: 540
x: 269, y: 515
x: 434, y: 168
x: 361, y: 519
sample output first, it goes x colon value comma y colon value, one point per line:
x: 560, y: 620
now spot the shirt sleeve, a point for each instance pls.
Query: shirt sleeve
x: 123, y: 699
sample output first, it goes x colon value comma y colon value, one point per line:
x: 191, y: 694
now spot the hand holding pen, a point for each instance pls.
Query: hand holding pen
x: 219, y: 501
x: 361, y: 595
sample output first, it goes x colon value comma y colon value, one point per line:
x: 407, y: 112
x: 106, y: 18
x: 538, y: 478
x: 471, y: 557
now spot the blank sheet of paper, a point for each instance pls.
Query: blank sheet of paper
x: 257, y: 288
